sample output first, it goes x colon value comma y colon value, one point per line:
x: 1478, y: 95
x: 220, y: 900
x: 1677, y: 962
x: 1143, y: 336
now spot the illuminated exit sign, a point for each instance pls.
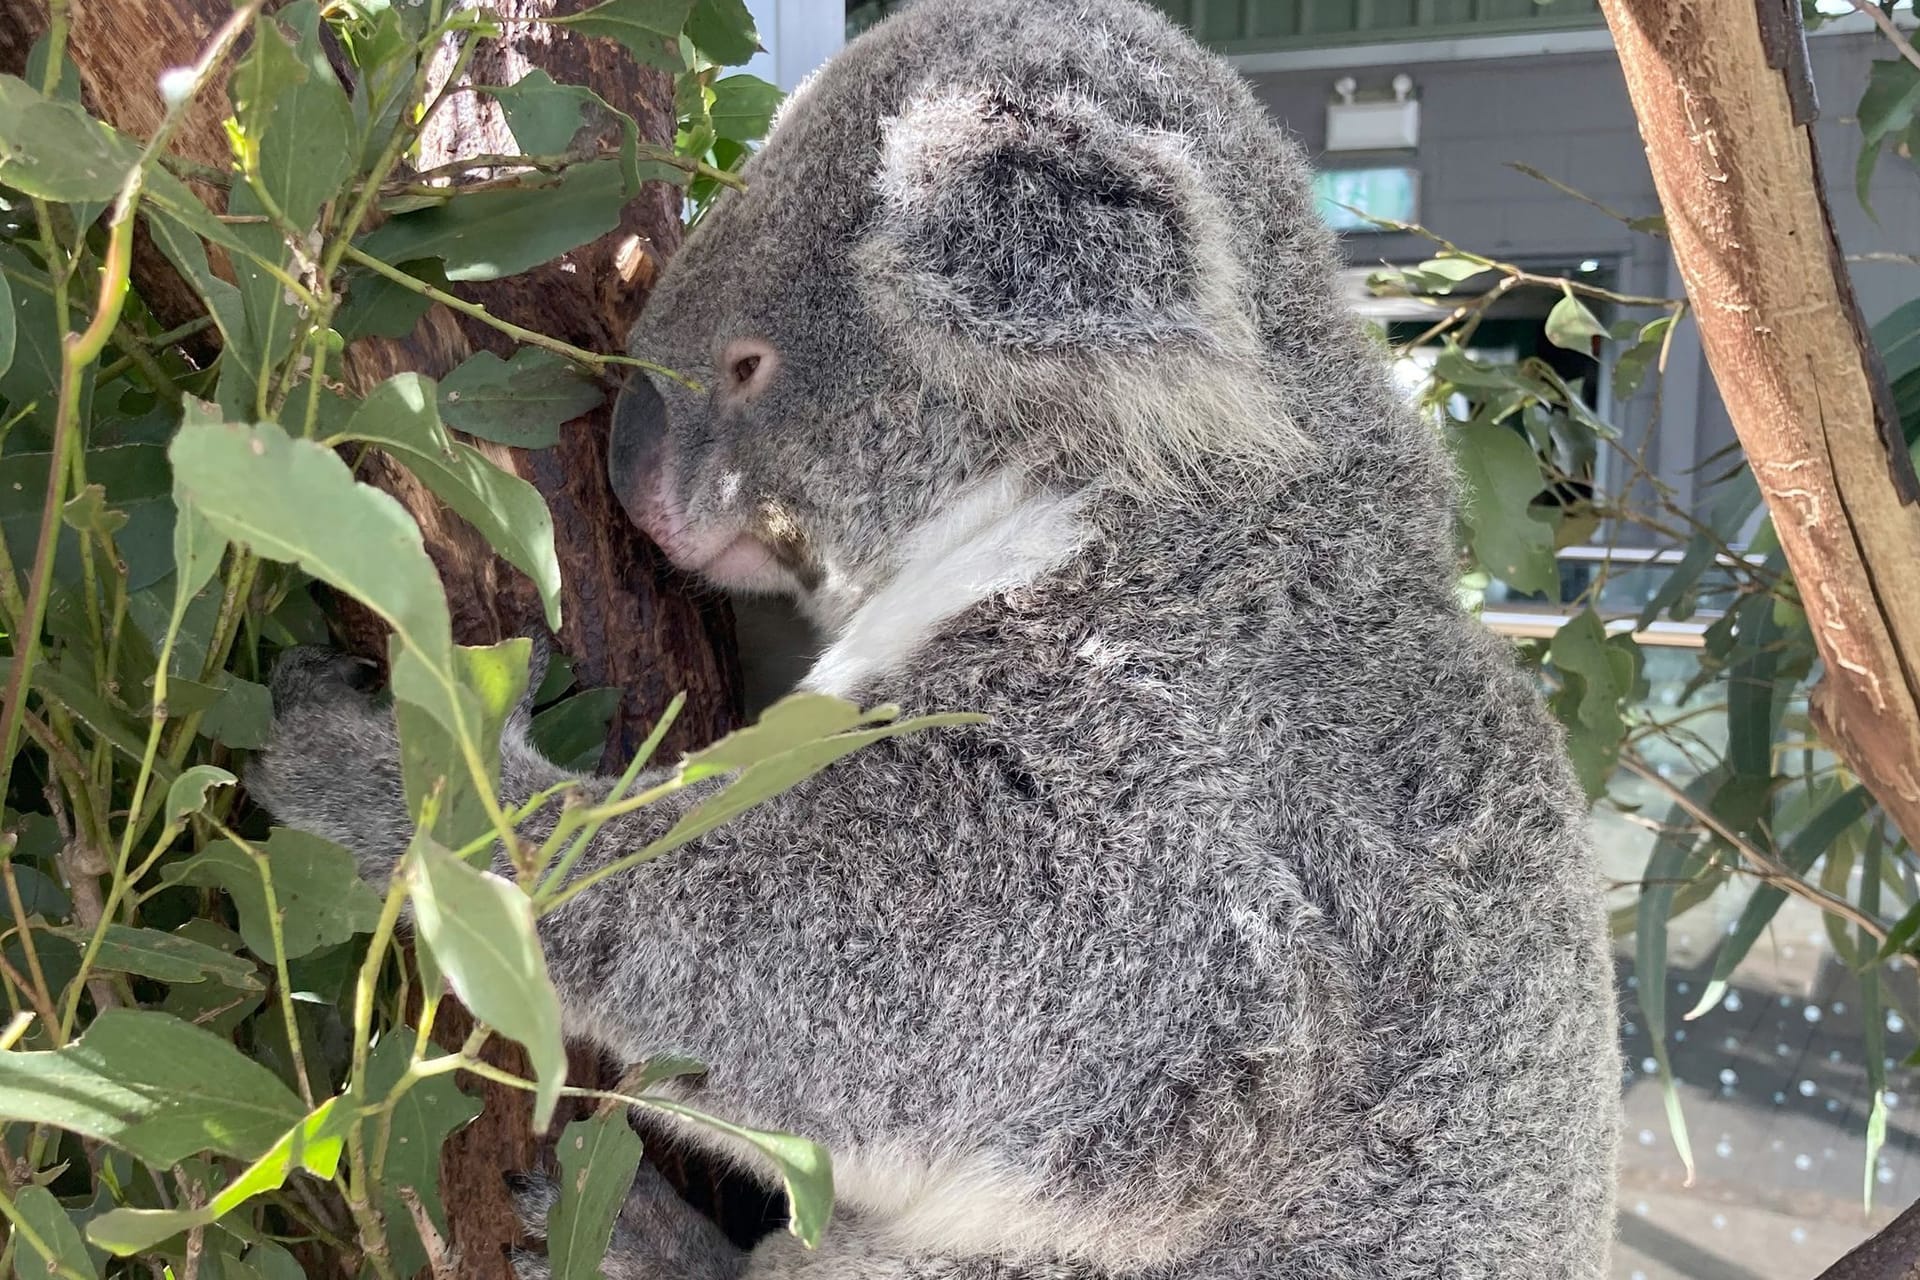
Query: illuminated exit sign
x: 1344, y: 195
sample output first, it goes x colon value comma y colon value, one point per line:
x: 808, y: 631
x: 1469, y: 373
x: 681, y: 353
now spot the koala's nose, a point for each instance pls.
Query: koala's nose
x: 637, y: 441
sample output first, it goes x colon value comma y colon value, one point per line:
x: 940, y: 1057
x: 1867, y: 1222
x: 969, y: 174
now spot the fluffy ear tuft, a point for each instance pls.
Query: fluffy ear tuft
x: 1074, y: 275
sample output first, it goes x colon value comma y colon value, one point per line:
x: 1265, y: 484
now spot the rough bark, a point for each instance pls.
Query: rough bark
x: 629, y: 621
x: 1725, y: 102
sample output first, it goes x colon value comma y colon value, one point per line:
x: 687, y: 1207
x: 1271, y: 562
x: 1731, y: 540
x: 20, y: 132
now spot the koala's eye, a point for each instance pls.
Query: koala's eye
x: 746, y: 366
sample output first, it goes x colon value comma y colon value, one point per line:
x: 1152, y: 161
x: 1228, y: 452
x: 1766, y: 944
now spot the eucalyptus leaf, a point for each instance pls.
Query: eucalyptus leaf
x: 1502, y: 475
x: 743, y: 107
x: 188, y: 794
x: 402, y: 416
x: 316, y: 883
x: 723, y: 30
x: 43, y: 1213
x: 152, y: 1085
x: 599, y: 1157
x: 484, y: 235
x: 314, y: 1144
x: 522, y: 401
x: 480, y: 929
x: 7, y: 325
x: 419, y: 1125
x: 164, y: 957
x: 54, y: 150
x: 1572, y: 325
x: 804, y: 1166
x: 650, y: 29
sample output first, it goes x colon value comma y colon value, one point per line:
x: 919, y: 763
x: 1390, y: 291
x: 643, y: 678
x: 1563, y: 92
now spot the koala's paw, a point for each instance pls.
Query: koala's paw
x: 332, y: 760
x: 657, y: 1235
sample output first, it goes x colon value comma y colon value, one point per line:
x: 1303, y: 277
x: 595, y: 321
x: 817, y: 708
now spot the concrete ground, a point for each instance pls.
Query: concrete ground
x: 1773, y: 1086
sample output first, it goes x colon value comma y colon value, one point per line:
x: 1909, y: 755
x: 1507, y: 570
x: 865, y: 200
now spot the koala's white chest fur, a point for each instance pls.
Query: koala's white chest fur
x: 999, y: 535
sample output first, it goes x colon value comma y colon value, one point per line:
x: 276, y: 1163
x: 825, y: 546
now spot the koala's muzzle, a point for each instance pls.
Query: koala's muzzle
x: 637, y: 443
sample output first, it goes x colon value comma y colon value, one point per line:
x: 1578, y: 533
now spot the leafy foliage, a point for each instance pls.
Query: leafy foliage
x: 197, y: 992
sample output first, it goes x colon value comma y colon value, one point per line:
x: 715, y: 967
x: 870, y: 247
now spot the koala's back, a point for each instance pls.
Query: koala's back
x: 1316, y: 933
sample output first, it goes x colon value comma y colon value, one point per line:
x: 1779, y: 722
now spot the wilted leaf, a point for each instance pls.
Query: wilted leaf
x: 313, y: 1144
x: 484, y: 235
x: 317, y: 884
x: 481, y: 932
x: 401, y: 416
x: 152, y: 1085
x: 598, y: 1158
x: 523, y: 401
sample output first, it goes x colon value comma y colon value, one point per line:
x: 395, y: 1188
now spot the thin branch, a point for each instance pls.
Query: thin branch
x: 1889, y: 29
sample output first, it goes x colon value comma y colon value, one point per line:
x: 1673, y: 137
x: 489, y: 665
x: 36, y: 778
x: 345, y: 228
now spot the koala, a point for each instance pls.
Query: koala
x: 1257, y: 933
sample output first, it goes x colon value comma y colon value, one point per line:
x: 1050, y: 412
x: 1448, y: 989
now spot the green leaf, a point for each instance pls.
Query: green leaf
x: 1630, y: 367
x: 793, y: 721
x: 295, y: 500
x: 316, y: 883
x: 804, y: 1167
x: 481, y: 932
x: 79, y: 696
x: 1888, y: 108
x: 402, y: 417
x: 598, y: 1159
x: 650, y: 29
x: 743, y: 107
x: 1502, y: 475
x: 376, y: 307
x: 88, y: 512
x: 1676, y: 857
x: 218, y: 1008
x: 723, y: 30
x: 484, y: 235
x: 56, y: 151
x: 573, y: 733
x: 302, y: 131
x: 421, y: 1121
x: 188, y: 794
x: 153, y: 1086
x: 523, y: 401
x: 432, y: 769
x: 314, y: 1143
x: 42, y: 1213
x: 7, y: 323
x: 543, y: 116
x: 242, y: 716
x: 1600, y: 672
x: 1571, y: 325
x: 164, y: 957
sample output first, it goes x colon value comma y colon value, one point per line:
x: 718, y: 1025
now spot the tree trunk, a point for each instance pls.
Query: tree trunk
x: 1725, y: 100
x: 629, y: 620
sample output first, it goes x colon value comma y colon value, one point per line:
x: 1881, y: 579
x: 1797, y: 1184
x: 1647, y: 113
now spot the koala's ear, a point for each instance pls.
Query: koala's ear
x: 1045, y: 258
x: 1039, y: 226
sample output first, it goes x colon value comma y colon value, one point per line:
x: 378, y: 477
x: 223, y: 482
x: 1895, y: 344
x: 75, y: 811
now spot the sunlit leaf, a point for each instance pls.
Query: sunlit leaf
x: 314, y: 1144
x: 481, y: 932
x: 152, y: 1085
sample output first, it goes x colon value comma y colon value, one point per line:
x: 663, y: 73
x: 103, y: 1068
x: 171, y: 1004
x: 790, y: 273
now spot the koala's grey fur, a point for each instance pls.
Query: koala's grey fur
x: 1258, y: 934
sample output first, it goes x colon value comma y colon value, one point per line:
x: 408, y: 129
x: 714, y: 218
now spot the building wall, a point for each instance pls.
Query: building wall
x: 1568, y: 116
